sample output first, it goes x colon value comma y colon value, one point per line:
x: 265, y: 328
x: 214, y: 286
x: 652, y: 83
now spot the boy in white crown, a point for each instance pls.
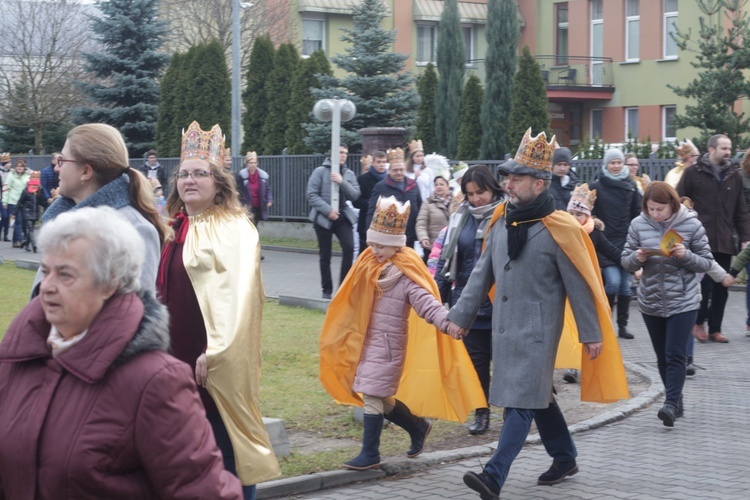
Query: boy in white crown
x: 369, y: 345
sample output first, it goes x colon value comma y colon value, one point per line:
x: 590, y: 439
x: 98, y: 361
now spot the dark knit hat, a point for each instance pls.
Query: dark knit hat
x: 560, y: 155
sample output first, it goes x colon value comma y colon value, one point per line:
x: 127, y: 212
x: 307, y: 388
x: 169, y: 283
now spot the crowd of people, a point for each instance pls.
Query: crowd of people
x: 132, y: 301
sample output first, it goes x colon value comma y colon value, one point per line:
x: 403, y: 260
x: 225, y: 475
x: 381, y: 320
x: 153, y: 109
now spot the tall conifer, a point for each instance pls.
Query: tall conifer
x: 529, y: 107
x: 254, y: 95
x: 278, y: 93
x: 451, y: 63
x: 470, y: 131
x: 427, y: 88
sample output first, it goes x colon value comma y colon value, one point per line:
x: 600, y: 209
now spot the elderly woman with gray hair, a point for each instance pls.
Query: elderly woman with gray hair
x: 91, y: 405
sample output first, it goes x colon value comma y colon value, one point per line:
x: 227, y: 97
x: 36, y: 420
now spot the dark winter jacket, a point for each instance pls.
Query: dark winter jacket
x: 366, y: 183
x: 561, y: 193
x: 50, y: 180
x: 617, y: 203
x: 264, y: 193
x: 607, y: 254
x: 29, y: 203
x: 112, y: 417
x: 720, y: 203
x: 161, y: 174
x: 410, y: 192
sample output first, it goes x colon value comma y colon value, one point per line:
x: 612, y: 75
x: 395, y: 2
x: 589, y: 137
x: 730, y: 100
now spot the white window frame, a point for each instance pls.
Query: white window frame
x: 470, y: 48
x: 562, y: 26
x: 670, y: 17
x: 632, y: 20
x: 317, y: 18
x: 664, y: 111
x: 628, y: 136
x: 596, y: 48
x: 433, y: 27
x: 592, y: 132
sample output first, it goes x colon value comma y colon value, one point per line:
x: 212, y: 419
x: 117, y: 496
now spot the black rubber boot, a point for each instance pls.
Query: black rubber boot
x: 417, y: 427
x: 481, y: 421
x: 623, y: 314
x: 369, y: 457
x: 611, y: 300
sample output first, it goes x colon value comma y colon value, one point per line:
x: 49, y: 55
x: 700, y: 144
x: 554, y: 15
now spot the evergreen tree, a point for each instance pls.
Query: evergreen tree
x: 168, y: 128
x: 529, y: 108
x: 722, y: 53
x: 127, y: 92
x: 470, y: 132
x: 451, y: 63
x: 500, y: 61
x: 278, y: 93
x: 376, y: 83
x: 427, y: 88
x: 208, y: 95
x: 302, y: 102
x: 254, y: 95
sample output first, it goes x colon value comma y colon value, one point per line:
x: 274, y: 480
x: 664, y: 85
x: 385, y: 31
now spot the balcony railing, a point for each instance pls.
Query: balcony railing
x: 576, y: 71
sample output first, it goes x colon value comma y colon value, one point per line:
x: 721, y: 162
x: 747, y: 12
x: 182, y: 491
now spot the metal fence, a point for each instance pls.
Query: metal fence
x: 289, y: 173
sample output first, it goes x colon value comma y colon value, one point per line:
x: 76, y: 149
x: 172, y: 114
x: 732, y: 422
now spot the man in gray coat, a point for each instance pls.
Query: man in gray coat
x: 533, y: 277
x: 327, y: 221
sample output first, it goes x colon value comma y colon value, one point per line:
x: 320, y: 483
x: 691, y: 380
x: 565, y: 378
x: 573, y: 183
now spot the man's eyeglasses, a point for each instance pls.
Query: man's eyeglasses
x: 196, y: 174
x: 60, y: 161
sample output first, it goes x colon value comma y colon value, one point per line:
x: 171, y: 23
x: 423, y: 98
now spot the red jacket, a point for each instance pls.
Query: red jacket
x: 112, y: 417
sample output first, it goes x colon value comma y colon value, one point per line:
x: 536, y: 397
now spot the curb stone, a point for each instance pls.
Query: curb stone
x: 322, y: 480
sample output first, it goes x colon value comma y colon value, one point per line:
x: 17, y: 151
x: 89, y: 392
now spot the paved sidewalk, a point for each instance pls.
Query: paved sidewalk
x: 705, y: 456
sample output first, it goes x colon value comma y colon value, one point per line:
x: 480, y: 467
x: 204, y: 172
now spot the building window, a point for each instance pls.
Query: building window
x: 313, y: 31
x: 469, y: 44
x: 669, y: 131
x: 562, y: 33
x: 670, y: 28
x: 426, y: 43
x: 631, y: 123
x: 596, y: 124
x: 632, y: 30
x: 597, y: 42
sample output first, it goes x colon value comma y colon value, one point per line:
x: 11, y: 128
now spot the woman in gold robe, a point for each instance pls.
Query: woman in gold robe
x: 210, y: 280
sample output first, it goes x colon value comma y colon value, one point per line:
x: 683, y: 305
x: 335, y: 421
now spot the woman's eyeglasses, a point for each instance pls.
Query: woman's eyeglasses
x: 196, y: 174
x: 60, y: 161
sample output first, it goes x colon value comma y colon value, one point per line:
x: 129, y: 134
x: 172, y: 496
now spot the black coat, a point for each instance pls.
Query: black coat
x: 366, y: 182
x: 617, y: 204
x: 409, y: 193
x: 29, y: 203
x: 561, y: 193
x: 607, y: 254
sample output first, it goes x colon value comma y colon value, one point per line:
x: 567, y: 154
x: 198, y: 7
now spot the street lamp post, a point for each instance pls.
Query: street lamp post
x: 335, y: 111
x: 236, y: 72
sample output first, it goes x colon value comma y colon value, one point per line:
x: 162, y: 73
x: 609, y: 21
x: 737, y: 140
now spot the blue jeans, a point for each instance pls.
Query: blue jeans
x: 17, y: 225
x: 552, y: 429
x: 669, y: 336
x: 227, y: 452
x: 4, y: 221
x: 617, y: 281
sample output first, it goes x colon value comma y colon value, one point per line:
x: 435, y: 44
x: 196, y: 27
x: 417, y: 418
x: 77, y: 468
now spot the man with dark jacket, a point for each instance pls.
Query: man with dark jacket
x: 715, y: 186
x: 376, y: 172
x: 564, y: 180
x: 152, y: 169
x: 49, y: 178
x: 404, y: 189
x: 327, y: 221
x: 253, y: 188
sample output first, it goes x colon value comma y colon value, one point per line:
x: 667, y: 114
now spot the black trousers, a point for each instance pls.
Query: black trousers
x: 479, y: 346
x: 342, y: 228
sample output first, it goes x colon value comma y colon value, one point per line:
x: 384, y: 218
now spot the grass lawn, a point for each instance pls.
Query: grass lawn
x: 290, y: 389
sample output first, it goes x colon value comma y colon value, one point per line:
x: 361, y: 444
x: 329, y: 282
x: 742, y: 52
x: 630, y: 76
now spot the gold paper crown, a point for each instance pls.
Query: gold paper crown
x: 227, y: 152
x: 583, y: 195
x: 251, y: 155
x: 395, y: 155
x: 4, y: 157
x: 536, y: 152
x: 415, y: 145
x: 685, y: 148
x: 208, y: 146
x: 391, y: 217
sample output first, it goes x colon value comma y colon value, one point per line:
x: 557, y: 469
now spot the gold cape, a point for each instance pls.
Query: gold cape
x: 222, y: 258
x: 603, y: 380
x: 439, y: 380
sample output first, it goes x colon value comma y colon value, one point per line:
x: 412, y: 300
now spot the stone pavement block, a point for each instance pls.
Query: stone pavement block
x: 277, y: 433
x: 27, y: 264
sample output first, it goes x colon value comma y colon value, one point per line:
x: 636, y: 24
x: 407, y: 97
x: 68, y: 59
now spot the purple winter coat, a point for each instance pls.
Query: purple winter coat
x: 382, y: 359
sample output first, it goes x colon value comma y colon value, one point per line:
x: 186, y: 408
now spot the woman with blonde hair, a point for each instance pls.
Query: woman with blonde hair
x: 211, y: 282
x: 94, y: 172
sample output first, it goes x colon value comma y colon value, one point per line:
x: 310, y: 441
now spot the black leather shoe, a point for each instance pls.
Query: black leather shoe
x: 327, y: 295
x: 557, y: 472
x: 680, y: 410
x: 623, y: 333
x: 481, y: 421
x: 482, y: 484
x: 667, y: 415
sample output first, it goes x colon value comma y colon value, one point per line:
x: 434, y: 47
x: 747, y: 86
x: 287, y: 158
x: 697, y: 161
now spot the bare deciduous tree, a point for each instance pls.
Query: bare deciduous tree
x: 40, y: 48
x: 199, y: 21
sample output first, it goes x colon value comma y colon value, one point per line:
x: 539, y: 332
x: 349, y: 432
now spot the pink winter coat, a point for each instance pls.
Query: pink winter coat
x: 112, y: 417
x: 382, y: 361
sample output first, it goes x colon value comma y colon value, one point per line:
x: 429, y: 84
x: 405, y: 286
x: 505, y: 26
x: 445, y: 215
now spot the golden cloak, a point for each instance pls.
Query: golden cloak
x: 439, y: 380
x: 603, y: 380
x: 222, y: 258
